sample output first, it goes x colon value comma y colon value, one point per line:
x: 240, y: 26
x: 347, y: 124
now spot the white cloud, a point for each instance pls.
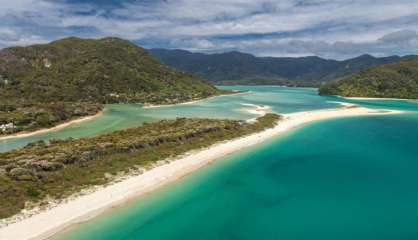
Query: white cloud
x: 194, y: 44
x: 287, y: 27
x: 398, y: 43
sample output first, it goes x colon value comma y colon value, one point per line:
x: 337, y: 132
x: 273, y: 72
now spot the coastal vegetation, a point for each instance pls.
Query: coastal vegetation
x: 42, y: 171
x: 397, y: 80
x: 237, y: 68
x: 16, y: 118
x: 43, y: 85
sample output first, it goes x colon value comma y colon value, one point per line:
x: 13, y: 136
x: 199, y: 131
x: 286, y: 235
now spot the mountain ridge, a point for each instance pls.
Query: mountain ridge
x: 243, y: 68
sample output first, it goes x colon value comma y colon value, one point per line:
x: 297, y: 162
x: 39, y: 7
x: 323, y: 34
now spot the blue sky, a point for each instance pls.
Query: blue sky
x: 336, y: 29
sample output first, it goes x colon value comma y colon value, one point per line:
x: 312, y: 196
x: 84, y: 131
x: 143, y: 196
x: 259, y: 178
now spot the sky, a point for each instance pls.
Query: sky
x: 337, y: 29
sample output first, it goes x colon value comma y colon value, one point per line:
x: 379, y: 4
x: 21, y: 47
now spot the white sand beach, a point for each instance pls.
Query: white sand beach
x: 56, y: 128
x: 194, y: 101
x: 386, y: 99
x: 174, y: 104
x: 74, y: 211
x: 259, y: 110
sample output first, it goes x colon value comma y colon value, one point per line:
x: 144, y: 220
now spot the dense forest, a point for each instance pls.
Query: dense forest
x: 42, y: 85
x: 58, y: 168
x: 236, y: 68
x: 397, y: 80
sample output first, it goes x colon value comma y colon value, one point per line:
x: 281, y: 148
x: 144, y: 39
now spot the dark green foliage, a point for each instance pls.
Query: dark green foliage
x: 240, y: 68
x: 105, y: 70
x: 398, y: 80
x: 32, y: 192
x: 66, y: 166
x: 42, y: 85
x: 29, y: 117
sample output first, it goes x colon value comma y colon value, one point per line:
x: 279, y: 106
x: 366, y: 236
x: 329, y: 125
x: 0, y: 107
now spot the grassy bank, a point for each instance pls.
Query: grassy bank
x: 42, y: 171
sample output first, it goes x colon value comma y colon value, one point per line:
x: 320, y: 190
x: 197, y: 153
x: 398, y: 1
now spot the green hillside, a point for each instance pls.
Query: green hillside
x: 397, y: 80
x: 232, y: 68
x: 42, y: 85
x: 105, y: 70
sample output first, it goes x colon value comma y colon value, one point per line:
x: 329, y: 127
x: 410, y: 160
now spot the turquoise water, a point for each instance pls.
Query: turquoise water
x: 352, y: 178
x: 282, y: 100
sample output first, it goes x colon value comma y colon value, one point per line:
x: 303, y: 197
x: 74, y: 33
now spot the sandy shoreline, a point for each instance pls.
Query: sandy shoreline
x: 193, y: 101
x: 56, y: 128
x: 259, y: 110
x: 53, y: 220
x: 370, y: 98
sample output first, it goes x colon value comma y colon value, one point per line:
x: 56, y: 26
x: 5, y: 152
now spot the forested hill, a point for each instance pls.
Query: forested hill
x: 43, y: 85
x: 397, y: 80
x: 242, y: 68
x: 105, y: 70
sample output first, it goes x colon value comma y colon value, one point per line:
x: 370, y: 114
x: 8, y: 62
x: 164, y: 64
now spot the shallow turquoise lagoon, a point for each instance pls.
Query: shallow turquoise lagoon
x: 282, y: 100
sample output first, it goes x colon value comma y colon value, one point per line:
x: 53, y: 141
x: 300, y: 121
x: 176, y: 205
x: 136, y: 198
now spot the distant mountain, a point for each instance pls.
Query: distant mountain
x: 43, y: 85
x: 243, y: 68
x: 396, y: 80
